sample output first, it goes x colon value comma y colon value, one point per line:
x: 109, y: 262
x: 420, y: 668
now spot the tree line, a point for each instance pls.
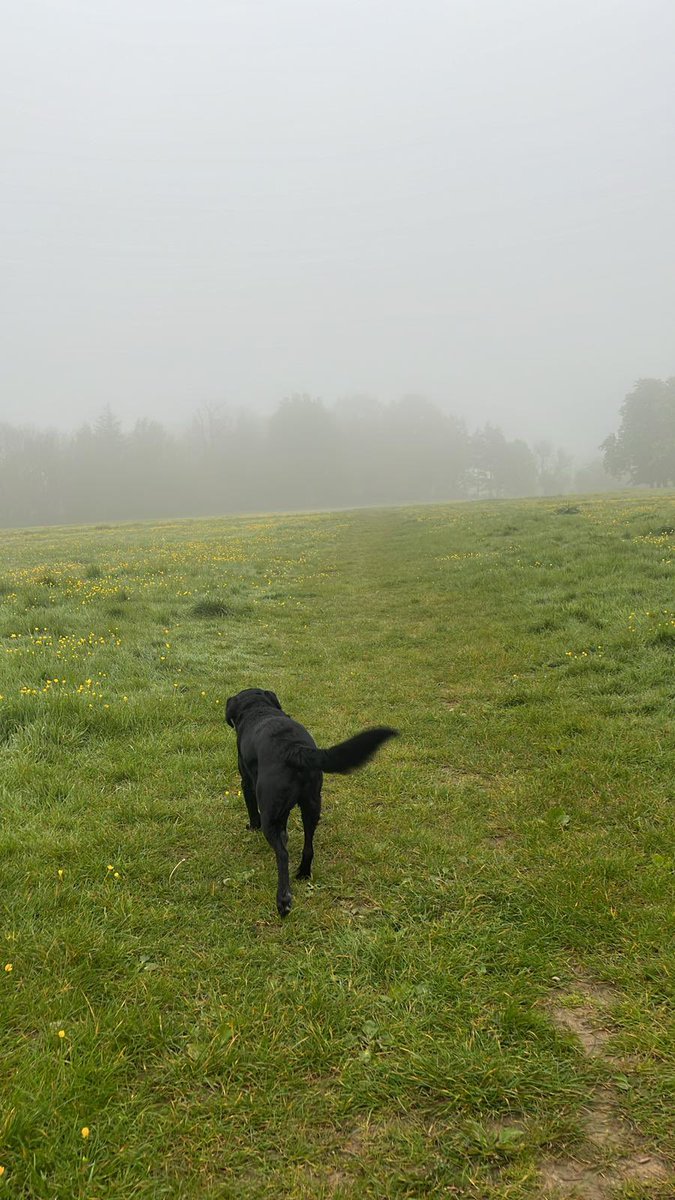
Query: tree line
x: 304, y: 455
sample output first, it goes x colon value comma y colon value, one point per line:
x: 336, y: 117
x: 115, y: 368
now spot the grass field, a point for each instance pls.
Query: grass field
x: 473, y: 996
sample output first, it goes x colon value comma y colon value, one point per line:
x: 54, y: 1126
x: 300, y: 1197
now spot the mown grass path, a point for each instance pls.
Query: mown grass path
x: 472, y: 997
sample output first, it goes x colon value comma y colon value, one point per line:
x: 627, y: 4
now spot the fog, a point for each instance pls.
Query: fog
x: 304, y: 456
x: 209, y: 205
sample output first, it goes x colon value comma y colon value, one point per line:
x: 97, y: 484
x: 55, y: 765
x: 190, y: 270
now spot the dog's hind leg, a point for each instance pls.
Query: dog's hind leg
x: 311, y: 812
x: 275, y: 832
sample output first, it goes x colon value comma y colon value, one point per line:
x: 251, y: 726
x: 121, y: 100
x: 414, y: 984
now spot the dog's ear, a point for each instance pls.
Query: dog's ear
x: 275, y: 699
x: 231, y: 710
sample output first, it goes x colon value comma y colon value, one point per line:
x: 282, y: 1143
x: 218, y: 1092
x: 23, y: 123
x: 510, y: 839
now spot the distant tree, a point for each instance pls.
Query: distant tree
x: 152, y: 471
x: 206, y: 452
x: 554, y: 469
x: 422, y: 453
x: 486, y: 446
x: 520, y: 469
x: 593, y: 477
x: 99, y: 486
x: 31, y: 475
x: 108, y: 431
x: 303, y: 467
x: 499, y: 467
x: 245, y: 463
x: 359, y: 420
x: 643, y: 449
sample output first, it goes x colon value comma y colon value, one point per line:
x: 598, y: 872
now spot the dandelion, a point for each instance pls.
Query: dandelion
x: 116, y: 875
x: 85, y: 1131
x: 62, y: 1033
x: 60, y: 872
x: 2, y: 1171
x: 9, y: 967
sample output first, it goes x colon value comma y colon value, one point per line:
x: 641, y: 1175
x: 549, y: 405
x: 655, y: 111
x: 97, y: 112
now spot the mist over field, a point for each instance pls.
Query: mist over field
x: 210, y: 207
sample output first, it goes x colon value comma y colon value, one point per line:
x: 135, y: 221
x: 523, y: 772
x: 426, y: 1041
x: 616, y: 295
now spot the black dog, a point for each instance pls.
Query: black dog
x: 281, y: 766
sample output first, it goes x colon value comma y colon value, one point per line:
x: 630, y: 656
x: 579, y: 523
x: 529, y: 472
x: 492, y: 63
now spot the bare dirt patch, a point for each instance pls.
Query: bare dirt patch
x: 353, y: 1144
x: 613, y: 1153
x: 565, y: 1177
x: 583, y: 1011
x: 335, y: 1180
x: 579, y: 1021
x: 499, y: 840
x: 569, y: 1177
x: 606, y: 1128
x: 358, y: 907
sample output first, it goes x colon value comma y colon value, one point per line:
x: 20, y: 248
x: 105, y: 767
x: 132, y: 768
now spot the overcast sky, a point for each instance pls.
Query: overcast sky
x: 214, y: 201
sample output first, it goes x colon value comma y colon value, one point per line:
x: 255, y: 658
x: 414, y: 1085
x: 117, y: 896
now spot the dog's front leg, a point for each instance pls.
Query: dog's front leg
x: 248, y: 788
x: 278, y: 840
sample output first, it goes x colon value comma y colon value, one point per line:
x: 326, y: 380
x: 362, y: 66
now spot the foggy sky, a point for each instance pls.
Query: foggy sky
x: 209, y: 201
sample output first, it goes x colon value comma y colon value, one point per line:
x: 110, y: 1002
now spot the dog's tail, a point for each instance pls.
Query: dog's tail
x: 346, y: 756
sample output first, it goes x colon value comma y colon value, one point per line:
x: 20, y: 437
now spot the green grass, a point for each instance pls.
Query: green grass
x: 394, y: 1037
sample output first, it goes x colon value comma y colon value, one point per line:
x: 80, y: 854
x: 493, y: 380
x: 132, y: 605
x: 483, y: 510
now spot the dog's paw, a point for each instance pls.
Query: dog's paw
x: 284, y: 903
x: 303, y: 873
x: 253, y: 828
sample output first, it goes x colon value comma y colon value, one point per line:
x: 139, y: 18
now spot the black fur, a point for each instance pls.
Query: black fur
x: 281, y: 766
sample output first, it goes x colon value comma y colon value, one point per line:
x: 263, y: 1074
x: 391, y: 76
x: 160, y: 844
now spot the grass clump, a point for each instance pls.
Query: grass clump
x: 212, y: 608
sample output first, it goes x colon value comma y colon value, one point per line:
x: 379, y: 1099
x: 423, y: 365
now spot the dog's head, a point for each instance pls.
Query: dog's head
x: 250, y: 698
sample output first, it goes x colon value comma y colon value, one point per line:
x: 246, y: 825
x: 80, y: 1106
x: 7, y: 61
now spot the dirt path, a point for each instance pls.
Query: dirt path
x: 614, y: 1154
